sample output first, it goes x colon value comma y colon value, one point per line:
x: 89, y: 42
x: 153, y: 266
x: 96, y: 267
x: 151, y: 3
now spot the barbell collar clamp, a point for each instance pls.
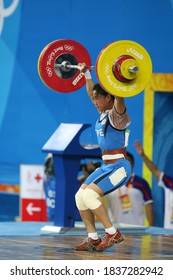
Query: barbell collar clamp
x: 133, y: 69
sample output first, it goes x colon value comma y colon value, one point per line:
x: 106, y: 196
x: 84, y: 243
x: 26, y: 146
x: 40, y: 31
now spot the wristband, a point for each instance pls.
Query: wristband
x: 87, y: 75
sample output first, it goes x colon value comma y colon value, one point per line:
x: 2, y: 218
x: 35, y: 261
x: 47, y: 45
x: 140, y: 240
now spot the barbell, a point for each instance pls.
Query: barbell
x: 123, y: 68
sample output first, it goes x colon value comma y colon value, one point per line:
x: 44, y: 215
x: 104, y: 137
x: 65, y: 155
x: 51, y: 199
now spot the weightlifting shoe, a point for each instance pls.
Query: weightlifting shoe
x: 109, y: 240
x: 88, y: 244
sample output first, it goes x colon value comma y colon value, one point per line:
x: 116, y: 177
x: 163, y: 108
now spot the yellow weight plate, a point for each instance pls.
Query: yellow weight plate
x: 105, y: 62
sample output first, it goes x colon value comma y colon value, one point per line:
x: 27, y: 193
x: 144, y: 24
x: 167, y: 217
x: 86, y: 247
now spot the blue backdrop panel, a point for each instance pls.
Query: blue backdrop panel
x: 162, y: 147
x: 9, y: 206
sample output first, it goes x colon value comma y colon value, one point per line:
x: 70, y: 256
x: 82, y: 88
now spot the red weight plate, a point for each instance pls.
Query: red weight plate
x: 59, y: 49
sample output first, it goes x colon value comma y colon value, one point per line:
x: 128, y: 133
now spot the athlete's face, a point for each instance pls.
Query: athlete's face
x: 101, y: 102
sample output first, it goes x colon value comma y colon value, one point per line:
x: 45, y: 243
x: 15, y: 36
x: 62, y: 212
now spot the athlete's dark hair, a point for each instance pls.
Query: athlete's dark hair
x: 99, y: 90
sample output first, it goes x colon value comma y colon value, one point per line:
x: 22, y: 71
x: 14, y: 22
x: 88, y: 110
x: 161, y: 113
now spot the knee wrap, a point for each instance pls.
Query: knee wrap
x: 79, y: 200
x: 90, y: 198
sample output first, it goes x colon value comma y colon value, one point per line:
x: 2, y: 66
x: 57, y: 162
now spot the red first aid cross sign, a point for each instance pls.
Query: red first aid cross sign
x: 32, y: 196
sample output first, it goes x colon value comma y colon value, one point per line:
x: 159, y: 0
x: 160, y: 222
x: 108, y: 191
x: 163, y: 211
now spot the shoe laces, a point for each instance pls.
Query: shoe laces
x: 103, y: 236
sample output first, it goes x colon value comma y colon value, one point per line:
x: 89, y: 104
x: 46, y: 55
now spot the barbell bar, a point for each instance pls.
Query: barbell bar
x: 66, y: 66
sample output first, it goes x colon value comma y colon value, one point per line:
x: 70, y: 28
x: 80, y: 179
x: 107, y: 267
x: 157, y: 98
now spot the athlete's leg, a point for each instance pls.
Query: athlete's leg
x: 86, y: 214
x: 92, y: 195
x: 92, y: 241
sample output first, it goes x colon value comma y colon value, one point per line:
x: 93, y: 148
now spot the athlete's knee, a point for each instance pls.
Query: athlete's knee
x: 79, y: 200
x: 91, y: 199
